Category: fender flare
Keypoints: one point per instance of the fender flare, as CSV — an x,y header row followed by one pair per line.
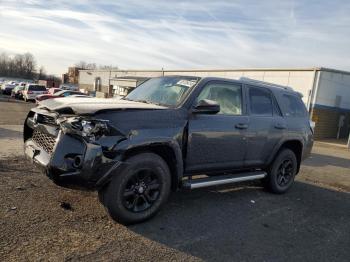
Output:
x,y
279,146
125,148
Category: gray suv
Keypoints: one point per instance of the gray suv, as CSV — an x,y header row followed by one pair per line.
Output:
x,y
169,133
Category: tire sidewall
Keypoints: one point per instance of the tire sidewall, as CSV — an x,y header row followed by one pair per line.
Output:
x,y
285,154
113,197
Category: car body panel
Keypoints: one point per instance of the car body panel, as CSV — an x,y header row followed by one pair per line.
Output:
x,y
93,105
199,143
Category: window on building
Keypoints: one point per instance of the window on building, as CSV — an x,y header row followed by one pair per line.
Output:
x,y
228,96
97,84
260,102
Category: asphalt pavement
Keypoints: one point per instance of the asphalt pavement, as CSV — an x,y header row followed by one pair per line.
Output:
x,y
228,223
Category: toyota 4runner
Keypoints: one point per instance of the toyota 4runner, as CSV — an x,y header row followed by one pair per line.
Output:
x,y
170,132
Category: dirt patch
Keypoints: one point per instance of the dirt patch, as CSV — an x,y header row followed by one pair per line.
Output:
x,y
37,225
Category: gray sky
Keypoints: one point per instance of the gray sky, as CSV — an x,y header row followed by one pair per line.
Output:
x,y
178,34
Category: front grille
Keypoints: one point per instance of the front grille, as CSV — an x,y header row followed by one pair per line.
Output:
x,y
45,141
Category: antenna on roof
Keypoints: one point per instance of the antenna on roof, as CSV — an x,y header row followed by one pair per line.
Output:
x,y
254,81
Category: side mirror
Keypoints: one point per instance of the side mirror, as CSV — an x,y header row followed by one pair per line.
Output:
x,y
206,106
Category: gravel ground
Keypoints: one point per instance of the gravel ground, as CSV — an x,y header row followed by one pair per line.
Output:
x,y
41,221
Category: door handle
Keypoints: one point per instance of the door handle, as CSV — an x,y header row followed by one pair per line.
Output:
x,y
280,126
241,126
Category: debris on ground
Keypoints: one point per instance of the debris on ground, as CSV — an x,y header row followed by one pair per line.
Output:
x,y
66,206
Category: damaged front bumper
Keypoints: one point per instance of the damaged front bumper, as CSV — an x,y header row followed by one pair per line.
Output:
x,y
70,161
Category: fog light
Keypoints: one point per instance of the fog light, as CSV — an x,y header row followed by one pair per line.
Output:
x,y
77,161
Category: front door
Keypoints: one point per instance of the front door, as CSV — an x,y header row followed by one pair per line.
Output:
x,y
217,142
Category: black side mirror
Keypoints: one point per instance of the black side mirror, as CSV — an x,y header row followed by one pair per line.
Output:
x,y
206,106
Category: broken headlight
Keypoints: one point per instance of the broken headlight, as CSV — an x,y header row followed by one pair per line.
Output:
x,y
91,129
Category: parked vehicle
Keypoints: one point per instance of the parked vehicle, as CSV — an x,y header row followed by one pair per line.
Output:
x,y
31,91
17,91
69,87
53,90
59,94
7,88
163,134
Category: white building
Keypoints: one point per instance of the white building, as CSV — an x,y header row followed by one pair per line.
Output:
x,y
326,92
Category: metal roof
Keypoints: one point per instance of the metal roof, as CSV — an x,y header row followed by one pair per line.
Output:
x,y
224,70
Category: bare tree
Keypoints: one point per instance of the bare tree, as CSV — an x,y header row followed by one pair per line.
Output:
x,y
92,66
19,65
85,65
29,64
42,73
108,67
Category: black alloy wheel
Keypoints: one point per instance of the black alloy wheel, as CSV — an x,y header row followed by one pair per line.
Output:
x,y
141,191
282,172
285,172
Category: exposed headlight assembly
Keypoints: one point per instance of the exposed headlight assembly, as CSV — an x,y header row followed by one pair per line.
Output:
x,y
91,129
94,128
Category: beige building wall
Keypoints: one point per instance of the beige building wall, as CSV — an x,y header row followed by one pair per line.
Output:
x,y
299,80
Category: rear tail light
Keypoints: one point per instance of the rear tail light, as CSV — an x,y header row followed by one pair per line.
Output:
x,y
312,125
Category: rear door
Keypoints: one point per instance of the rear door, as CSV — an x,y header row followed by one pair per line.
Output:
x,y
217,142
266,128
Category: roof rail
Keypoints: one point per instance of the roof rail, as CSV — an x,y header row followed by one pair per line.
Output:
x,y
254,81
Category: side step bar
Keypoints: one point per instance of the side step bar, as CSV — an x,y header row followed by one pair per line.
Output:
x,y
221,180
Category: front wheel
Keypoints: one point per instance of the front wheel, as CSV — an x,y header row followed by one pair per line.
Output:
x,y
282,172
138,191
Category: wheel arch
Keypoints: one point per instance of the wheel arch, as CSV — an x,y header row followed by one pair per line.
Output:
x,y
294,145
169,152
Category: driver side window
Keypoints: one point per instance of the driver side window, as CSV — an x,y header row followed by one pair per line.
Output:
x,y
228,96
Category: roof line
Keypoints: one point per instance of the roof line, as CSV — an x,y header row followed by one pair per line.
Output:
x,y
222,70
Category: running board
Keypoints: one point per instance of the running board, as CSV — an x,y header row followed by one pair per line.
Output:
x,y
222,180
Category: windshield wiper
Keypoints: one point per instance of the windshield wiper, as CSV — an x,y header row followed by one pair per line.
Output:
x,y
143,101
151,102
126,98
146,102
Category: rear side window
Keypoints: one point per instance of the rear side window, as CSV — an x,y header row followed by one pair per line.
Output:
x,y
294,106
37,88
260,102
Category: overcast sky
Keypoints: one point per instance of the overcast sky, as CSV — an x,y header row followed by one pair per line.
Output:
x,y
178,34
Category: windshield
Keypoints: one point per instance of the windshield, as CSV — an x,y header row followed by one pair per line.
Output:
x,y
167,91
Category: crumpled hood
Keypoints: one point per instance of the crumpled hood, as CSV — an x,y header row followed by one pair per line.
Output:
x,y
86,105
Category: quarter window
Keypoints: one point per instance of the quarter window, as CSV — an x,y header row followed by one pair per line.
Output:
x,y
294,106
260,102
228,96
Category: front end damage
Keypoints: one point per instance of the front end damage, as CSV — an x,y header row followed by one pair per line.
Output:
x,y
73,151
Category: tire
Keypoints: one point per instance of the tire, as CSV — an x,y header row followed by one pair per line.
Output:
x,y
282,172
138,192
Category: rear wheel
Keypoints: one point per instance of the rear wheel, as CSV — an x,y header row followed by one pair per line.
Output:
x,y
282,172
138,191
